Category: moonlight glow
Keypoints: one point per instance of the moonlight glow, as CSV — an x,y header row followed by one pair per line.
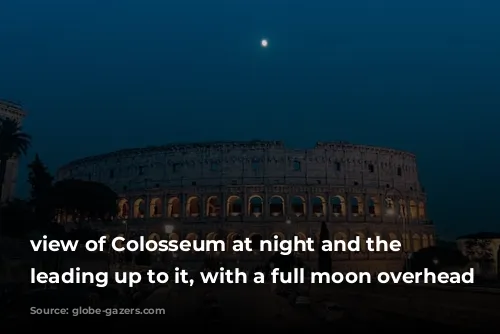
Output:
x,y
263,43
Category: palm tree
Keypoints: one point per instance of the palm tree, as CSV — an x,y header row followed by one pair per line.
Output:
x,y
13,143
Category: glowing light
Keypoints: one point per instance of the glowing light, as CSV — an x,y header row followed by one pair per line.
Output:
x,y
264,43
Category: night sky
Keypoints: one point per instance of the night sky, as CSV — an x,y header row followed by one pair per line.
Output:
x,y
423,76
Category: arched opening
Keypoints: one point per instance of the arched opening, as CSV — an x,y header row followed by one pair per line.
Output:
x,y
174,207
413,210
255,205
298,204
155,207
389,207
425,241
123,208
373,207
417,243
234,206
318,206
139,208
193,207
280,236
154,236
356,206
402,208
338,205
276,206
421,210
255,240
406,242
213,206
212,236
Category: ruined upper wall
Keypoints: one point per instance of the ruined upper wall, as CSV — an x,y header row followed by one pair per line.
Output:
x,y
254,162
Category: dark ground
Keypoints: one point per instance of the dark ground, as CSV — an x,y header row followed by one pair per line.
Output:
x,y
250,306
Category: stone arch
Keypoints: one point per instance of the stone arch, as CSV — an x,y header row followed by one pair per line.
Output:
x,y
425,241
255,205
213,206
255,239
155,207
421,210
298,204
413,209
212,236
276,206
406,242
319,206
231,237
123,208
139,208
301,235
234,206
416,242
338,205
280,235
356,206
373,207
154,236
193,206
402,208
389,206
431,240
174,207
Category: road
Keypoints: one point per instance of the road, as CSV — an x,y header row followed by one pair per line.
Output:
x,y
254,306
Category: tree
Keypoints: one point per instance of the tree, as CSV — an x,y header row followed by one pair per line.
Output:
x,y
84,200
41,187
480,251
324,258
17,217
13,143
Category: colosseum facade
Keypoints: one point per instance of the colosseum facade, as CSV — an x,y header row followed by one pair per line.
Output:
x,y
258,189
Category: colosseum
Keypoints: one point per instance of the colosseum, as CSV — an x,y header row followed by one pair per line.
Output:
x,y
258,189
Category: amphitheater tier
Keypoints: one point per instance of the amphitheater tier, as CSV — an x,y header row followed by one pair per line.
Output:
x,y
262,188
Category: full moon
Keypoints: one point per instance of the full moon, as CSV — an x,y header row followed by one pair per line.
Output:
x,y
264,43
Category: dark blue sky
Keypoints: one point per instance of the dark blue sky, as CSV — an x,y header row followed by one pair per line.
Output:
x,y
100,75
